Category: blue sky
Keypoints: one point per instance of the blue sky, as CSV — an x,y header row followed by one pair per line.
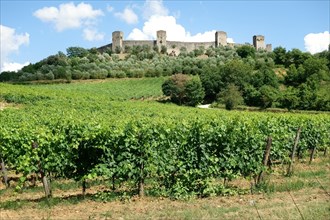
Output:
x,y
33,30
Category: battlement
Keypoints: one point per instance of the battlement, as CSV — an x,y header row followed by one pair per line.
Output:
x,y
118,43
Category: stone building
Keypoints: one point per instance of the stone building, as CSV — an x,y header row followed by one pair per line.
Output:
x,y
173,47
259,42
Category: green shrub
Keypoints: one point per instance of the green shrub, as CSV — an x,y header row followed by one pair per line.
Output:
x,y
184,90
231,97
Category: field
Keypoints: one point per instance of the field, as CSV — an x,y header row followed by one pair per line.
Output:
x,y
130,150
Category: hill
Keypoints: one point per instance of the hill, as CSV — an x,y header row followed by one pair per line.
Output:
x,y
281,79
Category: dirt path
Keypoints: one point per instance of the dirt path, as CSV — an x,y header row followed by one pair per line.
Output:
x,y
204,106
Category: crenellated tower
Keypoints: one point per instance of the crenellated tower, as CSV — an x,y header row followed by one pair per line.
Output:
x,y
259,42
220,38
161,39
117,41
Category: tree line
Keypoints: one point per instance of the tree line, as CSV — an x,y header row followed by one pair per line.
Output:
x,y
231,75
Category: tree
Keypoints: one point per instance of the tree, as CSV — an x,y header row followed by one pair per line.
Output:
x,y
236,72
251,95
212,83
127,49
174,87
268,96
76,52
316,66
265,76
279,55
231,97
246,51
184,90
307,93
118,49
292,76
210,52
289,98
163,49
194,92
296,57
325,55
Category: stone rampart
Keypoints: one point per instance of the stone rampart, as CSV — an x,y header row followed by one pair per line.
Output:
x,y
131,43
175,46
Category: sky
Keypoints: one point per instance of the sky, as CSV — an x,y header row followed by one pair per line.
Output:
x,y
33,30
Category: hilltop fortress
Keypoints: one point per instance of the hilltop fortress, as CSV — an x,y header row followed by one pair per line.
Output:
x,y
119,45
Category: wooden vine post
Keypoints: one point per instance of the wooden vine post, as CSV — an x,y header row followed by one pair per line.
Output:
x,y
141,176
141,180
84,186
266,158
296,140
312,155
45,181
4,173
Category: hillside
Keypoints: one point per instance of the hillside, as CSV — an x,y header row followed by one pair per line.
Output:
x,y
280,79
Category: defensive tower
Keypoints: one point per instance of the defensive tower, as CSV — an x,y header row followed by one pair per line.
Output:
x,y
117,41
259,42
220,38
269,47
161,39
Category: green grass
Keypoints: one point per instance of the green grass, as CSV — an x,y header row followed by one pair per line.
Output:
x,y
13,205
311,174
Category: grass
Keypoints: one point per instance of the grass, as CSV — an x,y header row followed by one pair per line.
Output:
x,y
13,205
311,174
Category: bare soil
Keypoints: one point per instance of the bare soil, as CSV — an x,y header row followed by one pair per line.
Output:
x,y
235,207
4,105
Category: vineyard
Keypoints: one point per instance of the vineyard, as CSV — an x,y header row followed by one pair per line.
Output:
x,y
116,131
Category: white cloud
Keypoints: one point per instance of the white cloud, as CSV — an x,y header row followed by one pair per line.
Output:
x,y
158,18
154,7
68,15
128,15
174,31
10,42
13,66
92,35
230,40
318,42
207,36
137,34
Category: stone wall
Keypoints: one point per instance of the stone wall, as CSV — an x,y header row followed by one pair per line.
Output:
x,y
173,47
190,46
131,43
